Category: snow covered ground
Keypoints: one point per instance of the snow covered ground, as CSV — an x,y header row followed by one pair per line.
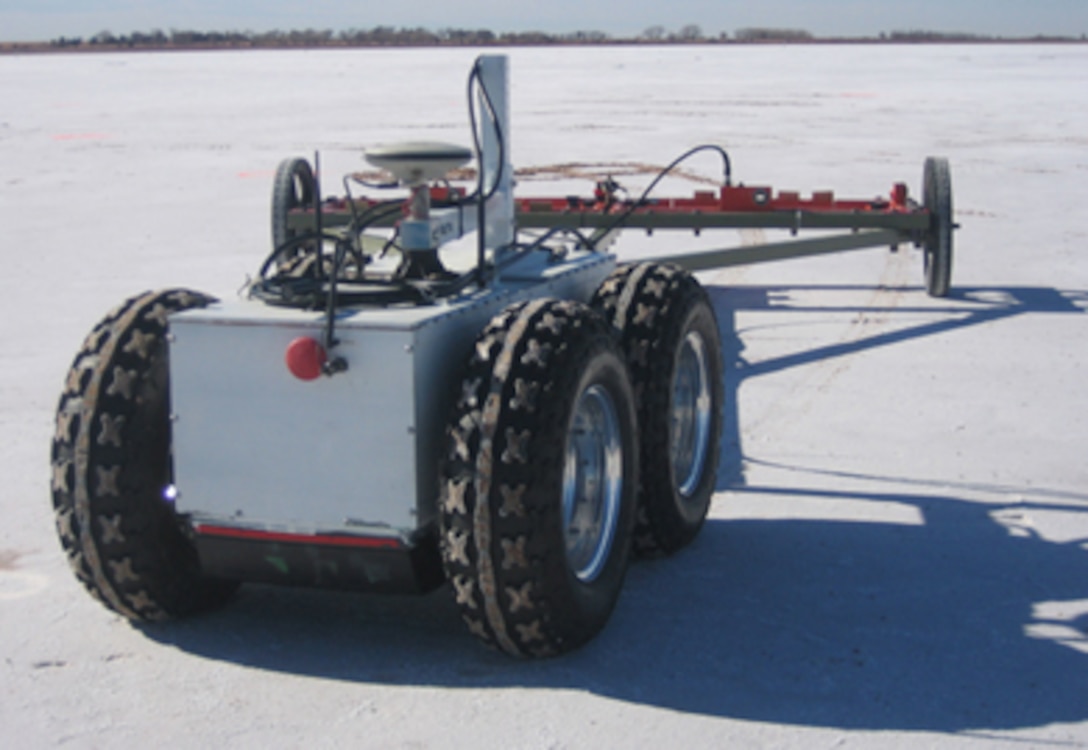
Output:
x,y
897,555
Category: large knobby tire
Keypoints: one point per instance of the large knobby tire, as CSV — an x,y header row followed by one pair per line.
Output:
x,y
538,494
937,191
292,187
670,339
111,462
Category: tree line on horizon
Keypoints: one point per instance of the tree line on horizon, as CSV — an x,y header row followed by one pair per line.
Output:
x,y
388,36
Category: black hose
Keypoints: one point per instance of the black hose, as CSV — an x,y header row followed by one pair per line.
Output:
x,y
641,200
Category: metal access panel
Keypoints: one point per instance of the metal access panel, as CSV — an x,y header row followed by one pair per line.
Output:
x,y
357,452
255,446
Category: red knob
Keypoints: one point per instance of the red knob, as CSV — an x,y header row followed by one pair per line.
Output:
x,y
305,358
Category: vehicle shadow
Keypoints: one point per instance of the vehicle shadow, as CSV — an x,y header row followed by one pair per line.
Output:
x,y
942,625
879,626
818,623
963,308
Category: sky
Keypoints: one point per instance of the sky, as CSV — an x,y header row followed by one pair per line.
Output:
x,y
39,20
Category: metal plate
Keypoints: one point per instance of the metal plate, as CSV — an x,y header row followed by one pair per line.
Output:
x,y
357,452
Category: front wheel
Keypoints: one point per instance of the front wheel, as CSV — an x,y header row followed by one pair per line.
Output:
x,y
538,493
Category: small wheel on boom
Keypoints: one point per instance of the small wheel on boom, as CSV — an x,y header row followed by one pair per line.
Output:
x,y
669,336
112,473
937,191
539,482
292,187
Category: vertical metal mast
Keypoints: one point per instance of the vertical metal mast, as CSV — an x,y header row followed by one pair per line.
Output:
x,y
499,231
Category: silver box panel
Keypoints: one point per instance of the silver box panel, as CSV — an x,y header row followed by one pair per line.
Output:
x,y
356,452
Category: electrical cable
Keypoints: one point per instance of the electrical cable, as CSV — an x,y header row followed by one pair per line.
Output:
x,y
475,77
330,308
309,292
641,200
372,185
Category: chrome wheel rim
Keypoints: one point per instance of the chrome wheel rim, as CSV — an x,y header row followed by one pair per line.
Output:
x,y
592,483
690,417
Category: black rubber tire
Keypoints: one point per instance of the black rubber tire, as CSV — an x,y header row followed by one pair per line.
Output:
x,y
111,461
504,542
292,187
655,308
937,191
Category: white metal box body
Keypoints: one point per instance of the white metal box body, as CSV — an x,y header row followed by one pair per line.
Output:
x,y
354,453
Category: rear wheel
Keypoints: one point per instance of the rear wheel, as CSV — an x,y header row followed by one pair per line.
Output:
x,y
937,189
670,339
112,474
538,493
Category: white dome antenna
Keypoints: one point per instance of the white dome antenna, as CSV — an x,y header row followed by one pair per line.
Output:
x,y
418,162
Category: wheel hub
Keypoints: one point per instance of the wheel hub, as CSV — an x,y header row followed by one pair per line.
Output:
x,y
592,483
690,420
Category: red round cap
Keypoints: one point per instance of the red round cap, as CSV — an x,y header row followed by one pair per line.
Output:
x,y
305,358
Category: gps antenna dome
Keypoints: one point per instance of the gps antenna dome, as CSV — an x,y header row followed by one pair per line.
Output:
x,y
417,162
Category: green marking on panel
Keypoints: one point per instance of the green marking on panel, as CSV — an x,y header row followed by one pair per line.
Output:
x,y
278,563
